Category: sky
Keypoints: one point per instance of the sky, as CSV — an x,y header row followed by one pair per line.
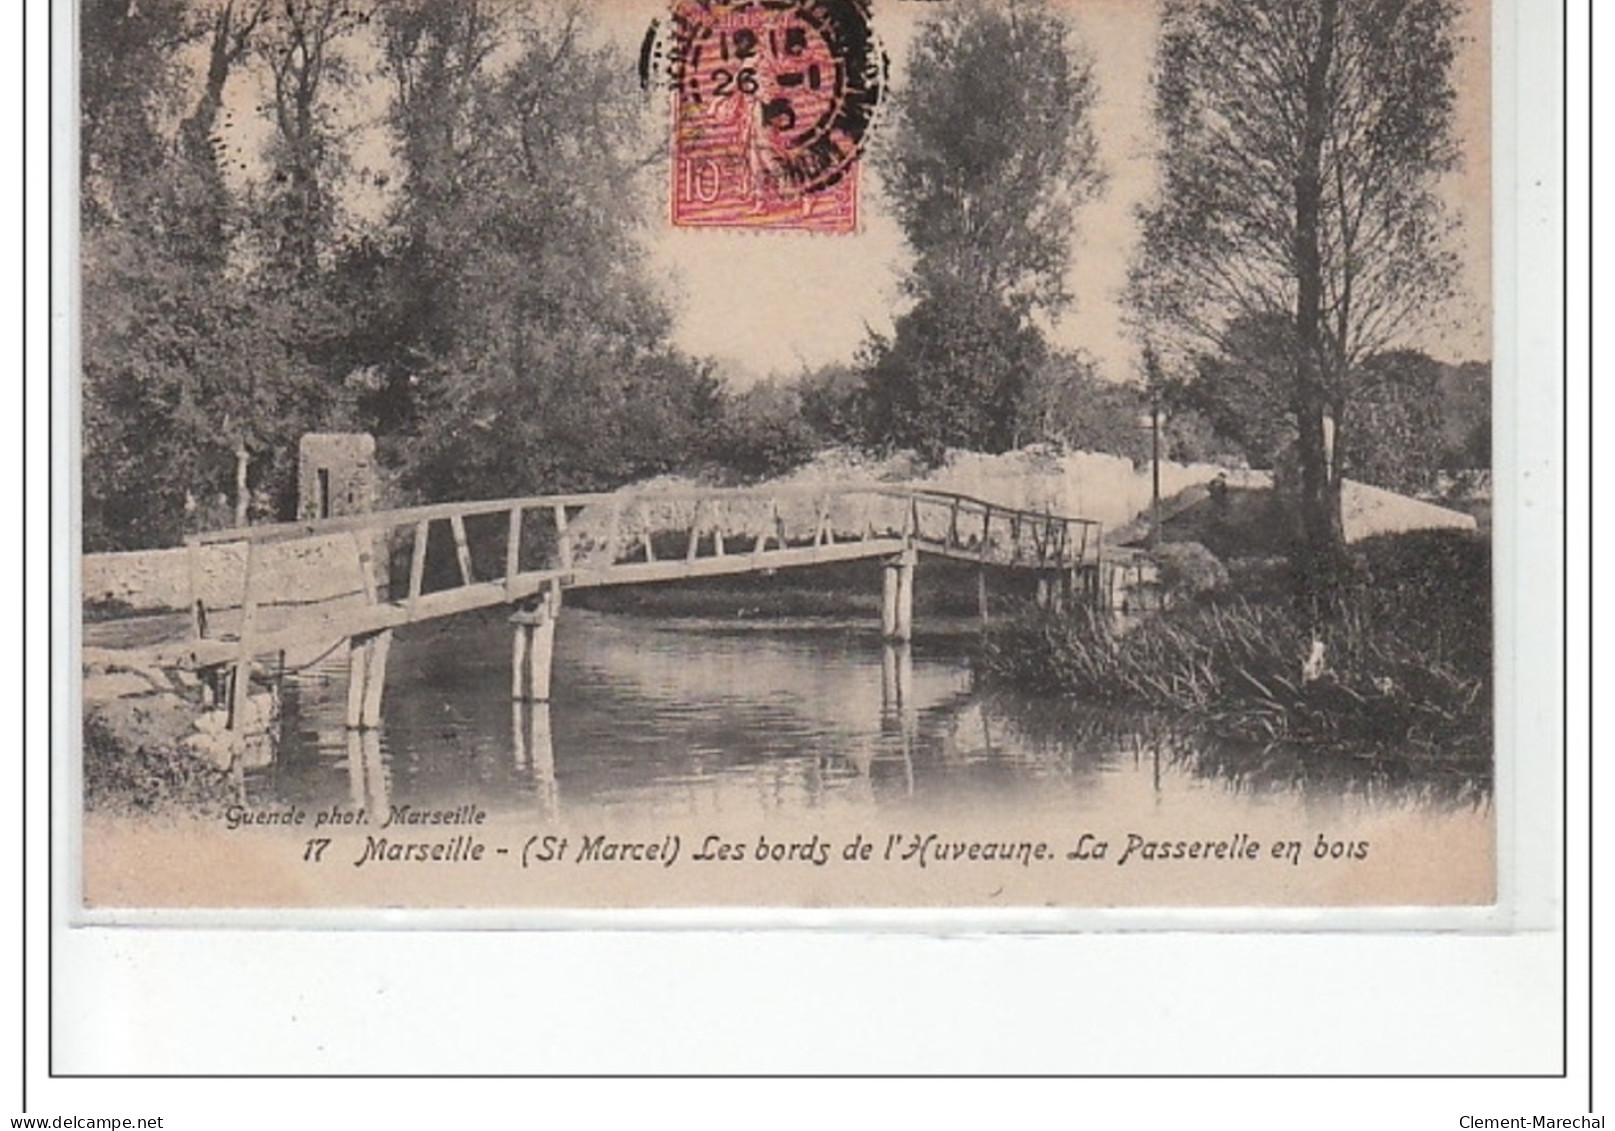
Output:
x,y
779,302
776,303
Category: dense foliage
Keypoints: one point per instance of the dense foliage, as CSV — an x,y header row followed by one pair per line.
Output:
x,y
1405,668
1405,417
461,273
989,154
1300,144
479,303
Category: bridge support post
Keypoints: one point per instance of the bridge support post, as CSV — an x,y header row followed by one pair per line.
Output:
x,y
532,652
375,678
1053,587
367,776
897,597
367,676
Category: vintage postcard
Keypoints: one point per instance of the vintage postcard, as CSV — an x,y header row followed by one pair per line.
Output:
x,y
784,454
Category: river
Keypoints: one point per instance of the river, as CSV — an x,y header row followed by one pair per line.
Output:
x,y
726,724
782,762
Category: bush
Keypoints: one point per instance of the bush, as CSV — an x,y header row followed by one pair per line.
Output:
x,y
762,433
133,763
1189,569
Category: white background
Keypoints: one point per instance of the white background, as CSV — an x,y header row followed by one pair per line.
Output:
x,y
175,1001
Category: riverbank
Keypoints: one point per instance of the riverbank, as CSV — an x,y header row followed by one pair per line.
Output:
x,y
140,757
1404,670
945,593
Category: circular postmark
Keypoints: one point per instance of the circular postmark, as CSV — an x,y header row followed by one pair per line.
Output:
x,y
772,102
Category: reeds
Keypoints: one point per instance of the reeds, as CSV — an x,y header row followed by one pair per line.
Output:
x,y
1403,667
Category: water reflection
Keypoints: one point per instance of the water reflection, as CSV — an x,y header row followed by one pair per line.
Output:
x,y
533,746
899,714
677,718
367,772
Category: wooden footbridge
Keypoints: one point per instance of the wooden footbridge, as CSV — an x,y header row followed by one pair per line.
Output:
x,y
421,563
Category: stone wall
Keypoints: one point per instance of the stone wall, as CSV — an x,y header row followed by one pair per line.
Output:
x,y
336,474
310,569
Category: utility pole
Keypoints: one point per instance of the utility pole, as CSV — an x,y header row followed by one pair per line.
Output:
x,y
1152,379
1155,467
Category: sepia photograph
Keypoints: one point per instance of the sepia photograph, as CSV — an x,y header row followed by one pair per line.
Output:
x,y
784,454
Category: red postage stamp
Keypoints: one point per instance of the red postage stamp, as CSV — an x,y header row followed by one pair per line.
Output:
x,y
772,101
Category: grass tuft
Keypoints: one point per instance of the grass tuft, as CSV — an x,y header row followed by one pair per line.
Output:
x,y
1406,660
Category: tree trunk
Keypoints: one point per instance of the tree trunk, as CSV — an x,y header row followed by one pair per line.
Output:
x,y
225,48
1322,540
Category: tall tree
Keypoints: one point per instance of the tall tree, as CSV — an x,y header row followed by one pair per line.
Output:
x,y
530,347
989,153
302,50
199,197
1301,144
991,150
189,375
955,373
126,84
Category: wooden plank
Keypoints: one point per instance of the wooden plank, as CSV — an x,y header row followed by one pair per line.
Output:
x,y
417,562
1050,536
635,573
513,546
888,599
761,545
358,674
907,560
462,549
361,620
613,530
367,573
434,512
541,650
521,642
245,646
385,521
193,585
563,539
375,677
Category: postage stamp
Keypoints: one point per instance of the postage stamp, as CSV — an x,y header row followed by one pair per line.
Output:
x,y
1103,519
772,105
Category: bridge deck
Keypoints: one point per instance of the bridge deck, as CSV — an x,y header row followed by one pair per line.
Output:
x,y
286,575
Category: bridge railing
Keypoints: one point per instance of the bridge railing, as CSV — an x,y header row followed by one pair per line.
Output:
x,y
507,549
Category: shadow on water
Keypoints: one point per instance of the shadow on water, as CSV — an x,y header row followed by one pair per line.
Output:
x,y
682,717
